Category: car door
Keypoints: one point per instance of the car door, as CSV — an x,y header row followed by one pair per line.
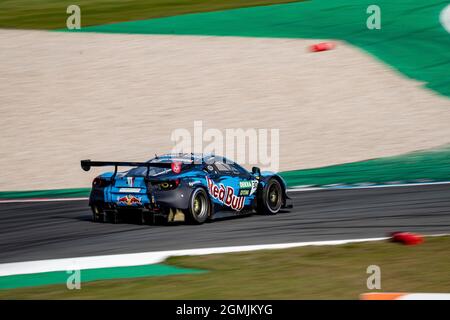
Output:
x,y
223,186
248,184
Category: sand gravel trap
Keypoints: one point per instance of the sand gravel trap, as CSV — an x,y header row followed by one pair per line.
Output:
x,y
66,97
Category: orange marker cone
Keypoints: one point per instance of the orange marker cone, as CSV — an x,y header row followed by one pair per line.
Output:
x,y
407,238
323,46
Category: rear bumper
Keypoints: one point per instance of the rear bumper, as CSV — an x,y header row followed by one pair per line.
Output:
x,y
153,201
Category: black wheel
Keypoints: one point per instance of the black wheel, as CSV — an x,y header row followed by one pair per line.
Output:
x,y
199,207
112,217
97,214
271,198
142,218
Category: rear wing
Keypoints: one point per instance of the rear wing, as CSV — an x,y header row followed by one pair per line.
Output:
x,y
87,164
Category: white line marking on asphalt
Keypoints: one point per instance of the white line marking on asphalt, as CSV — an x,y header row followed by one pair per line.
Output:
x,y
42,200
293,189
144,258
404,296
425,296
379,186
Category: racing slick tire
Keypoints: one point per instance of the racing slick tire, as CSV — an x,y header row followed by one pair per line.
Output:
x,y
199,208
98,215
270,198
113,217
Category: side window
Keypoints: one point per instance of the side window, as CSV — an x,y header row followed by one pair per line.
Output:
x,y
237,169
230,168
222,167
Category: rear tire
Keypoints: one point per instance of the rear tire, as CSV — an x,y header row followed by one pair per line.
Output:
x,y
98,215
112,217
142,218
271,198
199,207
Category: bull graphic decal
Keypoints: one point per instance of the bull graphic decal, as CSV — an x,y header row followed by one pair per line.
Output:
x,y
129,200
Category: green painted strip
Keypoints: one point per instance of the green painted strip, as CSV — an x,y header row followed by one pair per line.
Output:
x,y
430,165
51,14
411,38
55,193
60,277
420,166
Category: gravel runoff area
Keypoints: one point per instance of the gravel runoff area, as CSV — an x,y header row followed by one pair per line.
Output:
x,y
67,96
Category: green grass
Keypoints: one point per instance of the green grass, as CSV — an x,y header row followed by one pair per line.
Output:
x,y
428,165
330,272
51,14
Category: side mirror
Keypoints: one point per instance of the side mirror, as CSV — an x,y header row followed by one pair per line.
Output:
x,y
256,171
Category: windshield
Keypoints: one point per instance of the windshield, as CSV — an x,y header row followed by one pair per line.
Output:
x,y
154,171
142,171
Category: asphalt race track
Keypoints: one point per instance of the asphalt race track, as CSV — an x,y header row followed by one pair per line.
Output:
x,y
45,230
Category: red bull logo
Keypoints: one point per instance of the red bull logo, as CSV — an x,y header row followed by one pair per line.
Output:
x,y
129,200
226,195
176,167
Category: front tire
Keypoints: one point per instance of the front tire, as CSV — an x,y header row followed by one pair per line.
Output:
x,y
271,198
199,207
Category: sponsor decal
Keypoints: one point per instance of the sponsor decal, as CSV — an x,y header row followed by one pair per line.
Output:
x,y
130,181
248,184
254,186
130,190
193,183
176,167
244,192
226,195
245,184
129,200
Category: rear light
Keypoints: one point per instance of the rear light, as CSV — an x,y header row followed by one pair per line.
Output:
x,y
167,185
100,183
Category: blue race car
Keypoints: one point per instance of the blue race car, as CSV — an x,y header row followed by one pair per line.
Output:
x,y
183,187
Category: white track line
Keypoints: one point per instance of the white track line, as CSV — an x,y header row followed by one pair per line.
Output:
x,y
144,258
43,200
293,189
348,187
404,296
425,296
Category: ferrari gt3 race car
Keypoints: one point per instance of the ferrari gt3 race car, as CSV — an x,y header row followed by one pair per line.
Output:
x,y
186,187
